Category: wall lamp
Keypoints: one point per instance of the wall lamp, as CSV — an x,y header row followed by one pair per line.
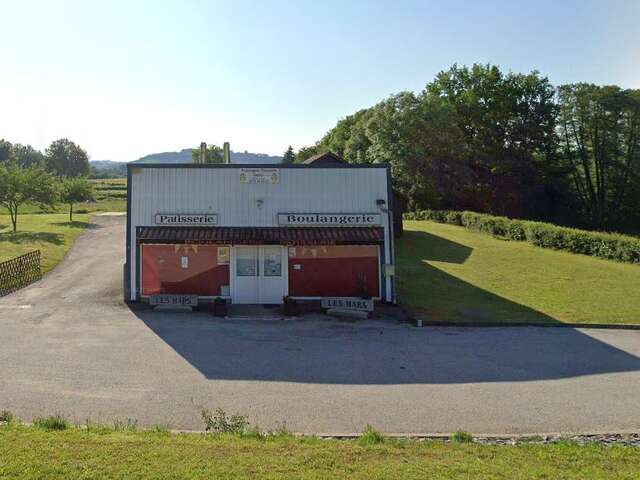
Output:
x,y
382,204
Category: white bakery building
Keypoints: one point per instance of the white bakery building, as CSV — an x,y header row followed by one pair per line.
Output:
x,y
255,234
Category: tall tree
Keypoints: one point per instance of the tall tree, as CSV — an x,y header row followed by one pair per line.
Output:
x,y
25,185
213,154
419,138
65,158
600,138
511,144
6,151
508,123
338,138
74,190
27,156
306,152
289,155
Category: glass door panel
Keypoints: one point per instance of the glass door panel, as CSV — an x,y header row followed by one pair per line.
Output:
x,y
246,261
272,263
245,282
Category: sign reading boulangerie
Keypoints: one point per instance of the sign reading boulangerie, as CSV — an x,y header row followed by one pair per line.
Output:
x,y
330,219
202,219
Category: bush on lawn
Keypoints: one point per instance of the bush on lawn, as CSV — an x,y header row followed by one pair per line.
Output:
x,y
370,436
54,422
621,248
219,422
6,417
461,437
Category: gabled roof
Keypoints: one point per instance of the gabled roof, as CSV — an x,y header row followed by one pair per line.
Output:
x,y
326,158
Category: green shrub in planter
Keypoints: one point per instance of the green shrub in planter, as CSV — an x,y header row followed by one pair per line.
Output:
x,y
290,306
220,307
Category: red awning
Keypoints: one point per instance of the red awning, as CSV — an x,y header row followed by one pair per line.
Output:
x,y
262,235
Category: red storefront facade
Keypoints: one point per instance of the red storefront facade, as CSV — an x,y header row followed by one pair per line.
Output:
x,y
313,271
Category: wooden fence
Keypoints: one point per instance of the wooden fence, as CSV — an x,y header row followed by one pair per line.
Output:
x,y
19,272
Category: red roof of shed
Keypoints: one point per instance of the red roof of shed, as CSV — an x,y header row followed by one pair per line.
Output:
x,y
263,235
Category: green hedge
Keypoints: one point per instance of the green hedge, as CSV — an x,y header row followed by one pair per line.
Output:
x,y
598,244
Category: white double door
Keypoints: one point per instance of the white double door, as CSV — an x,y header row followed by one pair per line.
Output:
x,y
258,274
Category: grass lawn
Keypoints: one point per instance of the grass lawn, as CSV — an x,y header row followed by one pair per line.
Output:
x,y
448,273
30,453
53,234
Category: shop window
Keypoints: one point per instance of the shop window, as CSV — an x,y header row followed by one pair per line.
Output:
x,y
185,269
334,271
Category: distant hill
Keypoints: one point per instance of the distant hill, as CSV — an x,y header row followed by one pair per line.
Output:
x,y
110,169
184,156
107,165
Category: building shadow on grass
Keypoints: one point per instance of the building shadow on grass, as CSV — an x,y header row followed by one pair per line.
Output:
x,y
437,296
422,246
29,237
327,351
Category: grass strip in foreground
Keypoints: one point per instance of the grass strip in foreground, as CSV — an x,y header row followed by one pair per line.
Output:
x,y
74,453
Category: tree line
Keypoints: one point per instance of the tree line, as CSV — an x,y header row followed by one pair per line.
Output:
x,y
508,144
29,176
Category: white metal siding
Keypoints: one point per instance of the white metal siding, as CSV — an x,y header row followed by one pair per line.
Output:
x,y
219,191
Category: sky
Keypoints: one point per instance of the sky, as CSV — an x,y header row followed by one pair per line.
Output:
x,y
128,78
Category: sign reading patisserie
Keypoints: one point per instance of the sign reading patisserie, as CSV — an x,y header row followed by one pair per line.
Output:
x,y
193,219
329,219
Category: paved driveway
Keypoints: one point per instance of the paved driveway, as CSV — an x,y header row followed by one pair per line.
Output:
x,y
69,345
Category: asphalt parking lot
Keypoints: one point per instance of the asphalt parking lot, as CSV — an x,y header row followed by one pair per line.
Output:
x,y
69,345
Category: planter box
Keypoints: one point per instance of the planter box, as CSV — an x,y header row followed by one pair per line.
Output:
x,y
290,309
219,309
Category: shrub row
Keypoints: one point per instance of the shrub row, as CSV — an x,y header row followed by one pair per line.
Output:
x,y
109,186
101,195
598,244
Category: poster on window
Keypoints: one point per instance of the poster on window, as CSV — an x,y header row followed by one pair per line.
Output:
x,y
223,255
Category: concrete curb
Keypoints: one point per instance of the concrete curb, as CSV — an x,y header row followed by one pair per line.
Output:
x,y
435,323
606,326
249,319
418,435
447,436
